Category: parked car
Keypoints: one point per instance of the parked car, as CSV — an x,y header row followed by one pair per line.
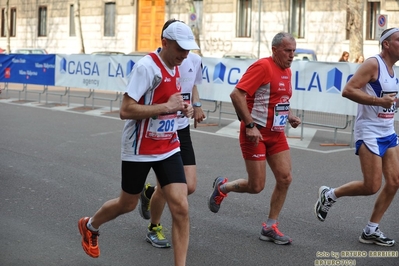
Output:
x,y
305,54
239,55
108,53
143,53
28,51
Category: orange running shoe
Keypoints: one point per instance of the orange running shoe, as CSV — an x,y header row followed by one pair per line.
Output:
x,y
89,238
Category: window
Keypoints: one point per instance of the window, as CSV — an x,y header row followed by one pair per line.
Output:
x,y
72,21
109,19
244,18
13,22
42,30
3,23
373,9
297,25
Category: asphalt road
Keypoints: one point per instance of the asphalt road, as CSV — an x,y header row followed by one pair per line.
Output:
x,y
58,166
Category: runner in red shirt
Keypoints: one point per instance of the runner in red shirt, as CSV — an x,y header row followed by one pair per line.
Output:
x,y
261,100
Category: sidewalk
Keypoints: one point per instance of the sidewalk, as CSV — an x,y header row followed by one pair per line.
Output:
x,y
318,140
226,124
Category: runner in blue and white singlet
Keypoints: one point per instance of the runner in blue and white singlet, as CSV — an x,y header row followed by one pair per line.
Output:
x,y
374,87
376,123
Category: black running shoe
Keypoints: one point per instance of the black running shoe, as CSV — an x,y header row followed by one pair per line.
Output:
x,y
377,238
323,204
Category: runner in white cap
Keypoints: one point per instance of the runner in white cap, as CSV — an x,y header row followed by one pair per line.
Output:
x,y
151,106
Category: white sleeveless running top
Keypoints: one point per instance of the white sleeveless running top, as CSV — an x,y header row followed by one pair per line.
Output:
x,y
376,121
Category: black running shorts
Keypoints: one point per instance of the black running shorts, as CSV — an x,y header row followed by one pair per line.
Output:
x,y
168,171
186,146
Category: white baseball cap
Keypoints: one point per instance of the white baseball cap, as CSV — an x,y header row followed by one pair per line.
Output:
x,y
182,34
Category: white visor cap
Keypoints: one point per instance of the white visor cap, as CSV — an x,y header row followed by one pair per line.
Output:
x,y
182,34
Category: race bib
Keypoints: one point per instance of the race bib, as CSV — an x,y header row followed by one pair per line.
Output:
x,y
187,100
281,111
162,127
387,113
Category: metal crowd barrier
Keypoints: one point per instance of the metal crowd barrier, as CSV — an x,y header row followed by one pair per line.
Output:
x,y
339,123
344,123
63,92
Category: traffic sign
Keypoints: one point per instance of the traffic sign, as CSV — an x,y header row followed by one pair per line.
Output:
x,y
381,25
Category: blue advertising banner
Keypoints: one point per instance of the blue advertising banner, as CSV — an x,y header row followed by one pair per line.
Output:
x,y
27,69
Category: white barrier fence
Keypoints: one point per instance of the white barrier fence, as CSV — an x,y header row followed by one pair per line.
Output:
x,y
316,86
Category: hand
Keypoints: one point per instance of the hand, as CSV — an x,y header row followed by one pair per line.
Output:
x,y
294,121
188,110
199,116
388,100
175,103
254,135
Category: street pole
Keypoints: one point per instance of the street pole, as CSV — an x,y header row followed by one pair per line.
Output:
x,y
259,24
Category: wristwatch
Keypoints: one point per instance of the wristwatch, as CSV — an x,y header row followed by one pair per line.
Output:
x,y
250,125
197,104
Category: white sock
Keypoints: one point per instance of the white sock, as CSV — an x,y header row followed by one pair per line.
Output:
x,y
330,194
223,189
370,228
90,226
270,222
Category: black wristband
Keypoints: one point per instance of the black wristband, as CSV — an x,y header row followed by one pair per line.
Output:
x,y
250,125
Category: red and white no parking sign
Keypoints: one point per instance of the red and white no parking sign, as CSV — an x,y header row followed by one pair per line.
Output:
x,y
381,25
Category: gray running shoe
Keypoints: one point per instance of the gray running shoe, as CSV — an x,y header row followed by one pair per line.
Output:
x,y
272,234
217,196
144,204
377,238
323,204
157,238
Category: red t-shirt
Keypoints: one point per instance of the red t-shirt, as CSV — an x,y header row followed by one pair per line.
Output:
x,y
269,90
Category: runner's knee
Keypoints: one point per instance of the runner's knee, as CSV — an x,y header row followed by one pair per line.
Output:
x,y
127,206
190,189
284,180
179,208
255,187
191,186
392,184
371,189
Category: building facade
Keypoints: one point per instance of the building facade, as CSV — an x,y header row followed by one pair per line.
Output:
x,y
222,26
